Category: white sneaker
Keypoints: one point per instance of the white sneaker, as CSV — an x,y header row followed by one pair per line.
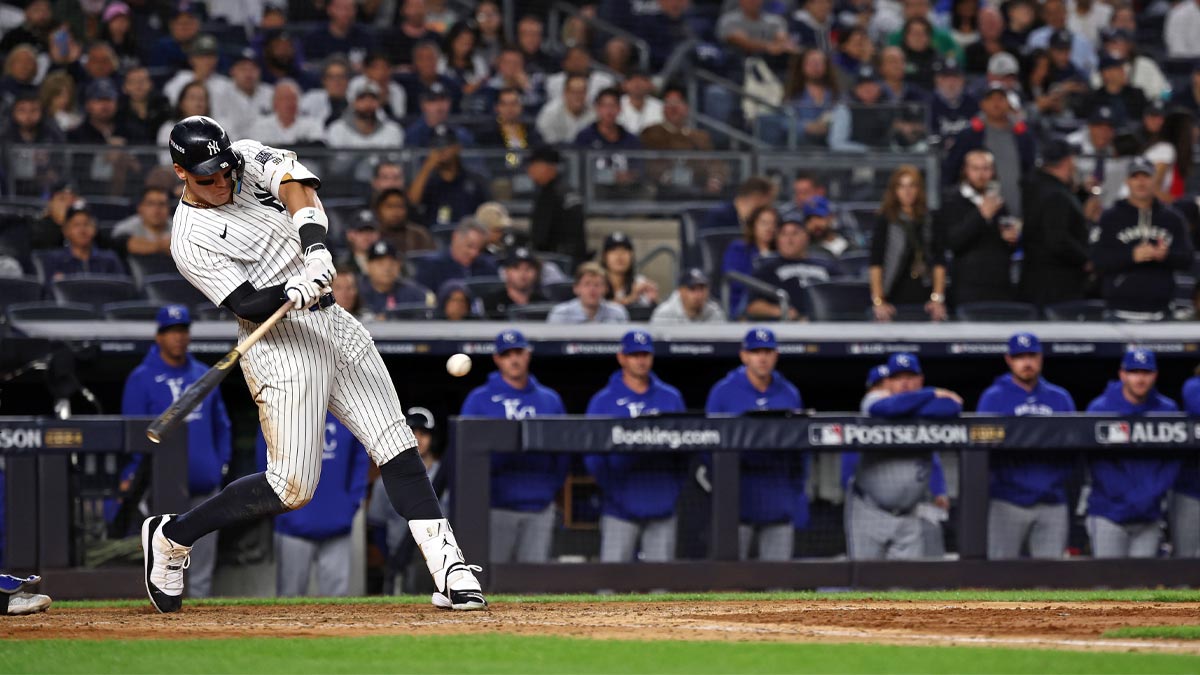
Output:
x,y
165,563
452,576
27,603
461,590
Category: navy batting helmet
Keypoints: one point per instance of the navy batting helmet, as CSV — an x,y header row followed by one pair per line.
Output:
x,y
202,147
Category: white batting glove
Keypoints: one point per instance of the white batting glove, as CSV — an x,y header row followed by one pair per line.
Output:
x,y
302,292
318,265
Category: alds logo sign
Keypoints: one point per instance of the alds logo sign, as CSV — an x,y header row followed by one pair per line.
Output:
x,y
1121,433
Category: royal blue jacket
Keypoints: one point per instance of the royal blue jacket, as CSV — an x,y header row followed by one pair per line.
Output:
x,y
1128,489
637,485
520,481
1189,473
340,491
772,483
1025,479
920,403
152,387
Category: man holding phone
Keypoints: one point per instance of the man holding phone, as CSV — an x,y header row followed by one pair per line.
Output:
x,y
980,232
1142,244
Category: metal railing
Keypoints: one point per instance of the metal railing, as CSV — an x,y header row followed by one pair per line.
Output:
x,y
561,9
753,284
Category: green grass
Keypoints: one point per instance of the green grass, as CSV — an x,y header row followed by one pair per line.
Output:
x,y
1156,632
1146,595
507,654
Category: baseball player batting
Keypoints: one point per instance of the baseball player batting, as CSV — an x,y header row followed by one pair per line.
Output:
x,y
249,233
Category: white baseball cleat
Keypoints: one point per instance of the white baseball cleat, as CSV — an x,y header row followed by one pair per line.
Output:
x,y
462,590
452,576
165,563
27,603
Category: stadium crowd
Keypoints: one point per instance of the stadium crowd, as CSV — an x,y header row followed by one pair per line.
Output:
x,y
1065,133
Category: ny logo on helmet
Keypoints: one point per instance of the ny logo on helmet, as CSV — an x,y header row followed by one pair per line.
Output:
x,y
213,147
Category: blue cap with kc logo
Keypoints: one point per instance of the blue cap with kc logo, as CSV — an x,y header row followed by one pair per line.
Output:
x,y
510,339
903,362
1024,343
637,342
760,338
173,315
1139,359
879,372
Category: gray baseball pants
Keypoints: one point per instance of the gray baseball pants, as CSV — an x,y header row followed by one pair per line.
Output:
x,y
620,539
294,558
519,536
1131,540
1043,527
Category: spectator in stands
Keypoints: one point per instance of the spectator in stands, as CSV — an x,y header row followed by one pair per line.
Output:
x,y
1009,141
435,115
812,26
557,223
893,68
772,483
1125,101
857,123
690,303
1055,237
248,98
855,52
461,60
170,52
147,232
626,286
109,169
141,110
1098,168
665,30
1054,24
327,103
908,260
284,127
99,62
1181,30
511,74
31,169
978,54
1088,18
491,30
455,302
805,186
1005,70
792,270
979,232
361,235
743,255
394,95
638,491
510,130
439,16
639,110
676,133
46,232
20,74
393,215
362,126
964,22
345,289
34,30
444,189
1127,492
919,54
412,30
193,100
387,174
589,305
463,259
1142,243
824,240
153,387
576,62
521,284
752,32
425,78
341,36
383,289
281,60
951,108
80,255
1185,500
1170,150
895,27
606,134
754,192
503,237
811,93
1028,492
560,121
319,533
531,40
1189,99
909,133
1141,71
202,62
523,485
117,30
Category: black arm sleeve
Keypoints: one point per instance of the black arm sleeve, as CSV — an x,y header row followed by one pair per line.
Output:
x,y
255,305
311,234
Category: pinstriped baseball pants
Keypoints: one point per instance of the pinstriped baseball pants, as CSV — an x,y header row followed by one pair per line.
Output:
x,y
306,364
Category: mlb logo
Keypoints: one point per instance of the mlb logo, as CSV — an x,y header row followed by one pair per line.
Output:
x,y
826,434
1112,433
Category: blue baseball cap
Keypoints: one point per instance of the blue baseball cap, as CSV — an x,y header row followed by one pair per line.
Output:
x,y
816,207
173,315
1024,343
1139,359
637,342
879,372
760,338
903,362
510,339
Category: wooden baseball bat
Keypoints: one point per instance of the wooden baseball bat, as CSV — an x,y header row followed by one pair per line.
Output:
x,y
201,388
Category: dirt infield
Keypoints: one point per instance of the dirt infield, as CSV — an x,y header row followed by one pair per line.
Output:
x,y
997,624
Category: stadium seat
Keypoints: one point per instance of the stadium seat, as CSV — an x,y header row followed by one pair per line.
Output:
x,y
93,289
441,234
38,258
712,251
132,310
1076,310
559,291
143,266
482,287
537,311
417,261
413,311
49,311
838,300
996,311
854,264
565,262
173,289
640,314
20,289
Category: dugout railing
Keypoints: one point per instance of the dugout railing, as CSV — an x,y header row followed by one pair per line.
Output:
x,y
973,437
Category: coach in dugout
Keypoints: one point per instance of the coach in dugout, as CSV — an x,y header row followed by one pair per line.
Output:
x,y
1142,243
523,484
1028,492
638,490
772,483
1125,503
882,520
1185,503
150,389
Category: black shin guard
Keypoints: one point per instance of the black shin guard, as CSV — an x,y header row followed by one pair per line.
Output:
x,y
408,487
245,499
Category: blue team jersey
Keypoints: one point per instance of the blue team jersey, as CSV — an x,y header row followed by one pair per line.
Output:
x,y
1189,473
1025,479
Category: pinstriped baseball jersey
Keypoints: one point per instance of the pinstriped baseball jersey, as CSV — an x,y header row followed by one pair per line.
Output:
x,y
250,239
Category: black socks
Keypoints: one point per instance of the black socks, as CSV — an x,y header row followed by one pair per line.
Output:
x,y
247,498
408,487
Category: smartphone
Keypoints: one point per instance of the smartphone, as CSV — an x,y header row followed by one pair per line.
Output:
x,y
62,40
993,188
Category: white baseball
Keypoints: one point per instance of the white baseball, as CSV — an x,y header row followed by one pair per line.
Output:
x,y
458,365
